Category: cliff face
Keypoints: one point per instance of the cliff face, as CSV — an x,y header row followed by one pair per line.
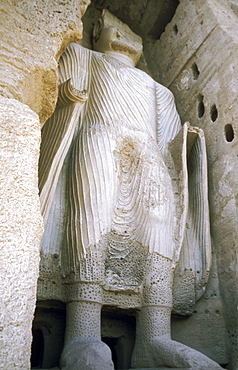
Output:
x,y
190,47
196,58
33,35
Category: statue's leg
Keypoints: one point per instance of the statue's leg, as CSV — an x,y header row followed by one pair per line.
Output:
x,y
154,316
82,316
154,346
83,348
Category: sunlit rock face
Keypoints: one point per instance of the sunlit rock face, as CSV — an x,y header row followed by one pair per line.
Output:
x,y
189,47
109,155
33,35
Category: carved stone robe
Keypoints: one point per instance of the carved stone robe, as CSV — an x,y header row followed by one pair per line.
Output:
x,y
116,142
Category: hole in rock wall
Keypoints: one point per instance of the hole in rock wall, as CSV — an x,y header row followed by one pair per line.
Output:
x,y
118,332
229,133
113,345
175,29
37,349
195,71
48,334
213,113
201,107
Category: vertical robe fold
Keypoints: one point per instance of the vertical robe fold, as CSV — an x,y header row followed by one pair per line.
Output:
x,y
118,180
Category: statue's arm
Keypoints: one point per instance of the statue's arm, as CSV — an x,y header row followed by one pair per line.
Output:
x,y
74,67
168,122
68,94
58,131
194,248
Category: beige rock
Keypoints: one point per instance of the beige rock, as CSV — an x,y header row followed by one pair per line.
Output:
x,y
174,354
119,198
34,37
21,230
196,58
204,51
86,354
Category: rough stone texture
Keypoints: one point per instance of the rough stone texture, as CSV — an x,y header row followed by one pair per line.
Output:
x,y
174,354
50,322
118,329
207,322
124,139
86,354
144,17
196,58
21,230
33,35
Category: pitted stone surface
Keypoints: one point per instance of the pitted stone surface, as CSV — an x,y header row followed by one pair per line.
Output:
x,y
35,33
21,230
158,281
125,225
86,354
203,63
83,320
29,61
202,75
90,292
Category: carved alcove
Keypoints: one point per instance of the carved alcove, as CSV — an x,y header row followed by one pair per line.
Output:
x,y
149,20
118,327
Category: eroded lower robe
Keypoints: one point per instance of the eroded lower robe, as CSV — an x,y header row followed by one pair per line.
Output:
x,y
118,182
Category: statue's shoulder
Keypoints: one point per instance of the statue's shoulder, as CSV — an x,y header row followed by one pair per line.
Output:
x,y
77,48
162,90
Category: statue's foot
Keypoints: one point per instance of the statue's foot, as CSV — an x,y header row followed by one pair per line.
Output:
x,y
165,352
86,354
174,354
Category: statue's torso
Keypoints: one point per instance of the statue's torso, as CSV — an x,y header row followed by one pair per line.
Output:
x,y
121,99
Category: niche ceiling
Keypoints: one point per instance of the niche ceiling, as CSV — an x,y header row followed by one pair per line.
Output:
x,y
148,18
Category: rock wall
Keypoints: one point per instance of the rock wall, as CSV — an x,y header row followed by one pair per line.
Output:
x,y
21,230
196,57
33,35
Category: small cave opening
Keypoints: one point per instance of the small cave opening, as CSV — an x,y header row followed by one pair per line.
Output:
x,y
175,29
229,133
195,71
118,332
214,113
48,330
37,349
201,107
112,344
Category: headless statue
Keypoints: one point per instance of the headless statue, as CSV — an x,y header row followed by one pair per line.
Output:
x,y
112,136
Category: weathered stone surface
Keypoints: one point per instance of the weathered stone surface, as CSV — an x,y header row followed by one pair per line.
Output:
x,y
21,230
33,35
86,354
119,196
205,329
174,354
196,57
144,17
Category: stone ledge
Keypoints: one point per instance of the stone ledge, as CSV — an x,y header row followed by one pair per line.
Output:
x,y
141,368
161,368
